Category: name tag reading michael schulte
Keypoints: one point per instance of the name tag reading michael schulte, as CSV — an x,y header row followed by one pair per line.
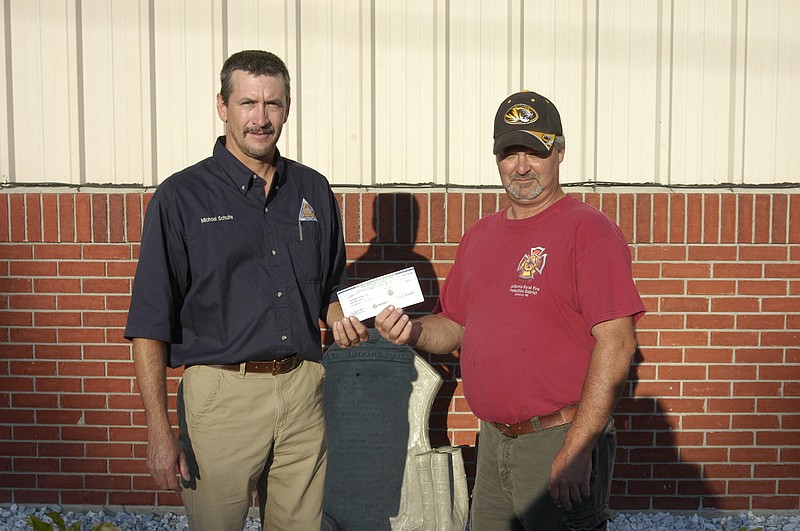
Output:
x,y
369,298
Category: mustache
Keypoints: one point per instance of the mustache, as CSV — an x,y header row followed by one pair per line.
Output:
x,y
260,130
530,175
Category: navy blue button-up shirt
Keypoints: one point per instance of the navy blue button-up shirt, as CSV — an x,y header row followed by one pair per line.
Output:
x,y
226,274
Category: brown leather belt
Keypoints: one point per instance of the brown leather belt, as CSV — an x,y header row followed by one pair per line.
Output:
x,y
281,366
559,418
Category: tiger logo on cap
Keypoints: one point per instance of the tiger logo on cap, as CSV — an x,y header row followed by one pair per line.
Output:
x,y
521,114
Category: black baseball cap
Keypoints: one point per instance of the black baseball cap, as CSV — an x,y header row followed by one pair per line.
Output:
x,y
526,119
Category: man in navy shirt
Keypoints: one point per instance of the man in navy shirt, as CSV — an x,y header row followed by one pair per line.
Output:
x,y
241,255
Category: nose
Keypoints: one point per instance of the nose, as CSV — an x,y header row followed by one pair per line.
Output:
x,y
260,116
522,164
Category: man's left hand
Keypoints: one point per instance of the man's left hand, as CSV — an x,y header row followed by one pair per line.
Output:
x,y
350,332
569,478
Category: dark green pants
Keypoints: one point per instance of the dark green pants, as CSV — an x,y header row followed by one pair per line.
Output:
x,y
513,476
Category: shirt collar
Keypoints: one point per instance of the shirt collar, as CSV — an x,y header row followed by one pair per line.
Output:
x,y
240,174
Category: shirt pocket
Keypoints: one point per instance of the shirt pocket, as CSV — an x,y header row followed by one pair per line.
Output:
x,y
306,252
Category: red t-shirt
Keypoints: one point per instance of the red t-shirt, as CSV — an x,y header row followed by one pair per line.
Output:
x,y
528,293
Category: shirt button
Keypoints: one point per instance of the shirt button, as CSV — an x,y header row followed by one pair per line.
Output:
x,y
274,252
243,187
280,294
255,176
266,209
284,338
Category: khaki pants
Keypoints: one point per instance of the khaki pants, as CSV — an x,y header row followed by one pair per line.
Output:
x,y
513,475
241,429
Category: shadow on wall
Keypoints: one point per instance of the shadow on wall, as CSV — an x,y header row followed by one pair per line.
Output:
x,y
396,245
649,463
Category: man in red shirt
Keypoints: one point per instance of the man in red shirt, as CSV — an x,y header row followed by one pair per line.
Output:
x,y
542,304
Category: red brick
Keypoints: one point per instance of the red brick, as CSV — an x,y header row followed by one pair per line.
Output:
x,y
99,217
50,217
686,270
644,212
60,449
81,302
731,405
732,372
660,322
107,385
776,502
779,217
777,438
786,304
710,321
684,304
52,319
677,218
32,268
730,438
752,487
710,287
710,218
745,218
33,335
728,219
81,335
660,218
66,220
713,253
774,339
133,217
107,285
777,405
83,218
84,497
756,421
59,481
760,322
735,304
735,339
116,218
59,285
81,368
754,455
56,417
115,450
32,368
58,384
763,253
726,471
121,269
454,228
81,269
16,217
33,222
33,464
58,251
738,270
681,372
685,338
82,401
661,287
763,219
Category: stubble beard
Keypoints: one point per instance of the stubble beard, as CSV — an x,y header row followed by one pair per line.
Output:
x,y
527,194
253,151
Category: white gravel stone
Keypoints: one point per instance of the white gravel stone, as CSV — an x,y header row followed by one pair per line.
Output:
x,y
12,518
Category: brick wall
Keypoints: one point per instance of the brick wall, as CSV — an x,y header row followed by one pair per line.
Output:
x,y
709,418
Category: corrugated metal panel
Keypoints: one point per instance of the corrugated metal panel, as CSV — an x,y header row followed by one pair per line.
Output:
x,y
670,92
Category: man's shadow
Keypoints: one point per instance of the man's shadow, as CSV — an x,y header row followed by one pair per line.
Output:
x,y
651,462
395,244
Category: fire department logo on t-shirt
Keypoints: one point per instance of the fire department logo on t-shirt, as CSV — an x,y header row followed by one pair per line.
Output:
x,y
532,263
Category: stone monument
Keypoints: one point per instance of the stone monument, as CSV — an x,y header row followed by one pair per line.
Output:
x,y
382,472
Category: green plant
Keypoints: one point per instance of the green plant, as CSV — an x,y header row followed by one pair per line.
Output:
x,y
59,524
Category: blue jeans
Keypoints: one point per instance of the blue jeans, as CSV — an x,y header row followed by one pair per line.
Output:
x,y
513,476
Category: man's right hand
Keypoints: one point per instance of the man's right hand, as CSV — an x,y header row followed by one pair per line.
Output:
x,y
394,325
164,458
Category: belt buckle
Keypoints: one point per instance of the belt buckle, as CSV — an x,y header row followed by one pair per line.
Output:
x,y
507,427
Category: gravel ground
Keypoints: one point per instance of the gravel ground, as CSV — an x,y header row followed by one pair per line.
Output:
x,y
13,518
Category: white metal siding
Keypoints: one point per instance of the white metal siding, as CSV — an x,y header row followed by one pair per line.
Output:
x,y
670,92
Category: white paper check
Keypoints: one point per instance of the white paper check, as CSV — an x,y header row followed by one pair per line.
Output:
x,y
369,298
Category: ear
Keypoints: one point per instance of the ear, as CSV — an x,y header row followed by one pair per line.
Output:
x,y
222,109
561,154
286,113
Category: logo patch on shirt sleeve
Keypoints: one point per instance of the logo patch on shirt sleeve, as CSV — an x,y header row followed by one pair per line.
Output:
x,y
306,212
